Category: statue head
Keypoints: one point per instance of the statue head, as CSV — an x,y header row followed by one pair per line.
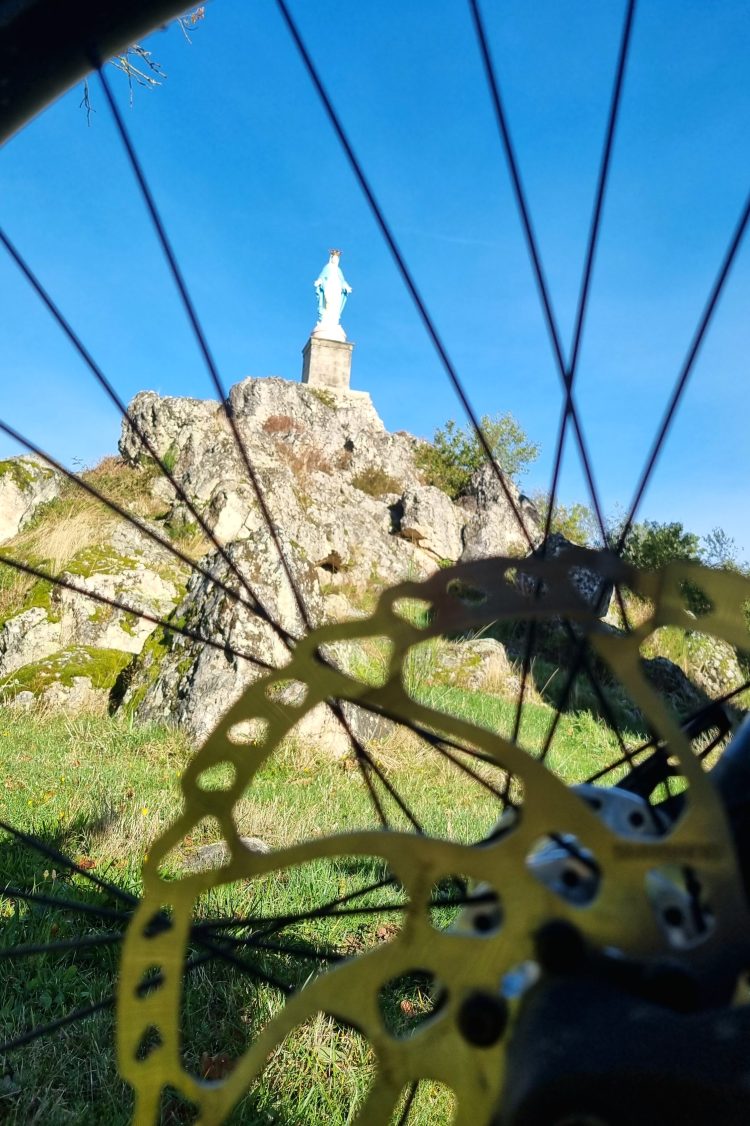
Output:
x,y
334,253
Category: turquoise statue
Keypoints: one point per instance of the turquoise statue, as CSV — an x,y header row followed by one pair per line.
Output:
x,y
332,289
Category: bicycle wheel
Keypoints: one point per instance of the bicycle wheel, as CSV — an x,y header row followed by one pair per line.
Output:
x,y
479,922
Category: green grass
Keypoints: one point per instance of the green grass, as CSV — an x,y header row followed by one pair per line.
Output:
x,y
101,789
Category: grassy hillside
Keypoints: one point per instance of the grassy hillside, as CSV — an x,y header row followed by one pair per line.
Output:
x,y
99,790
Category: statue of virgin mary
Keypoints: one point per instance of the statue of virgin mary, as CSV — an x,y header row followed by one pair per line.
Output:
x,y
332,289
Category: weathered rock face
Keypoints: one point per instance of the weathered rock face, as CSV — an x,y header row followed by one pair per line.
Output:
x,y
343,489
182,681
480,664
26,638
126,568
353,514
671,682
713,664
431,521
491,526
25,484
280,423
171,425
345,496
342,531
78,678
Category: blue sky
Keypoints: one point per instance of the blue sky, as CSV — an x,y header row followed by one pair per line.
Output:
x,y
254,189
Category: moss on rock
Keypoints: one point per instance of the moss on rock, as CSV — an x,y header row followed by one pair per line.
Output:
x,y
101,666
41,594
100,561
20,472
38,595
710,663
136,680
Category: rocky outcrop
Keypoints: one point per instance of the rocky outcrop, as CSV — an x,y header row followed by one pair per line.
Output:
x,y
491,524
25,484
28,637
340,530
353,514
185,682
670,682
346,492
125,568
344,495
432,522
480,664
280,424
75,679
712,664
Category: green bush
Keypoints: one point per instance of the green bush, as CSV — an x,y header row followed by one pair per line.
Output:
x,y
718,549
456,452
575,521
651,545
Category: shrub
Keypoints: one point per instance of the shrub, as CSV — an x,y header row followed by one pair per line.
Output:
x,y
652,545
456,452
575,521
376,482
324,397
169,460
718,549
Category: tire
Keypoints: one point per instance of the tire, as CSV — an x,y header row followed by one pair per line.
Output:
x,y
47,46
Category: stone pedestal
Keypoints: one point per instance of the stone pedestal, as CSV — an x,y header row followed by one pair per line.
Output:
x,y
327,363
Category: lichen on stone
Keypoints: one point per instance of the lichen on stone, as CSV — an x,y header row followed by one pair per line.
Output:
x,y
100,666
19,472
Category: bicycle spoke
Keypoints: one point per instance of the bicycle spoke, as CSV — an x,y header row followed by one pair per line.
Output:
x,y
114,397
82,1012
313,954
530,638
530,237
687,368
594,228
64,861
280,922
84,942
219,951
75,1015
199,334
399,260
391,789
442,749
117,604
567,371
80,483
692,725
11,892
412,1090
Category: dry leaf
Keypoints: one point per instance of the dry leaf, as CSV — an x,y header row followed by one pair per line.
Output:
x,y
216,1067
